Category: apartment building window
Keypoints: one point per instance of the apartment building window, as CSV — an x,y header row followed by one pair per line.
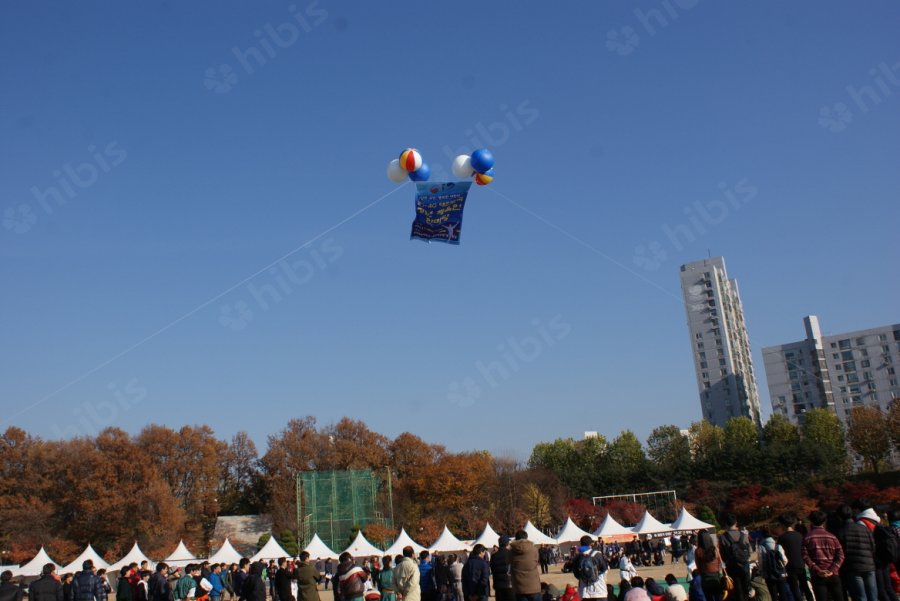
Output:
x,y
704,375
835,356
863,352
840,378
703,364
721,361
867,375
843,389
865,363
834,345
698,335
871,386
702,354
860,341
699,345
706,384
723,372
852,378
891,371
850,366
893,381
887,358
844,344
882,337
847,355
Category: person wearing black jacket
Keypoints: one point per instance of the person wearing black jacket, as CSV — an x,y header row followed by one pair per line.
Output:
x,y
124,590
858,570
158,588
8,590
47,587
283,579
792,543
476,576
87,586
254,589
500,571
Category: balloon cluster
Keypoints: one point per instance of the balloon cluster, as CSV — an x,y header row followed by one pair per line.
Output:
x,y
480,165
409,165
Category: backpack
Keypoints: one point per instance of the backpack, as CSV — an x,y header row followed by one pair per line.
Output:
x,y
887,545
774,564
587,568
738,551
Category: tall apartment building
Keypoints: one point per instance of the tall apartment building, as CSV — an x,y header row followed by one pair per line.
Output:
x,y
719,342
835,372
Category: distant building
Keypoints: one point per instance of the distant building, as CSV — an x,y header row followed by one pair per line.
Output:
x,y
836,372
591,434
719,342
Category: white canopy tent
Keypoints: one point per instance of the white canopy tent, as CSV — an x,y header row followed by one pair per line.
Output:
x,y
180,557
360,547
88,553
133,556
318,549
570,533
270,550
688,523
610,527
447,543
650,525
36,565
226,554
536,536
488,537
404,540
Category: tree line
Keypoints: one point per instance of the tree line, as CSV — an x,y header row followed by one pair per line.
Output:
x,y
162,484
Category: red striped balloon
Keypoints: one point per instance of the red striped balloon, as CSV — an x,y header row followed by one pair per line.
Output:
x,y
410,159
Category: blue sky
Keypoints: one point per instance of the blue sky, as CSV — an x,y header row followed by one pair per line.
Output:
x,y
156,156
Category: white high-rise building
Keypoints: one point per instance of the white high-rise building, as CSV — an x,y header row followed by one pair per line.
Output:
x,y
835,372
719,342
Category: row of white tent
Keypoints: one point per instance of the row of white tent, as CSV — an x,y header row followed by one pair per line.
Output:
x,y
447,542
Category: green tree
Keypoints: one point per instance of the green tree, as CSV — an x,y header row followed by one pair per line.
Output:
x,y
740,445
869,435
626,463
670,452
288,542
707,443
823,444
782,460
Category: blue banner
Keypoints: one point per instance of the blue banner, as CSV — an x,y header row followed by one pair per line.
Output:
x,y
439,211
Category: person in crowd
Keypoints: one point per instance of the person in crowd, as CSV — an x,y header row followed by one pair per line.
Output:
x,y
104,581
792,542
351,579
215,579
524,568
241,577
734,550
454,577
476,576
772,566
442,576
544,559
47,587
675,591
329,572
143,586
308,578
762,591
8,590
570,594
158,586
254,587
709,564
637,592
589,567
270,574
406,576
282,581
654,590
627,571
185,585
859,557
823,555
67,587
500,571
385,580
884,559
124,588
695,589
427,582
86,586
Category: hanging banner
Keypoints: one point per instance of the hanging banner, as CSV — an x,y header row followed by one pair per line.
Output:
x,y
439,211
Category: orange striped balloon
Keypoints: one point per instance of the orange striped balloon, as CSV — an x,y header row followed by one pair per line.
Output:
x,y
410,159
483,179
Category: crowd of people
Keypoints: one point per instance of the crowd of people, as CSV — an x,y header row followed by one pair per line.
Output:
x,y
850,554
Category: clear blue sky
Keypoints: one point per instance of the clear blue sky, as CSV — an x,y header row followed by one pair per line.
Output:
x,y
191,152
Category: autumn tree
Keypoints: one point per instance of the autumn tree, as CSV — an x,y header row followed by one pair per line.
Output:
x,y
869,435
536,505
240,483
